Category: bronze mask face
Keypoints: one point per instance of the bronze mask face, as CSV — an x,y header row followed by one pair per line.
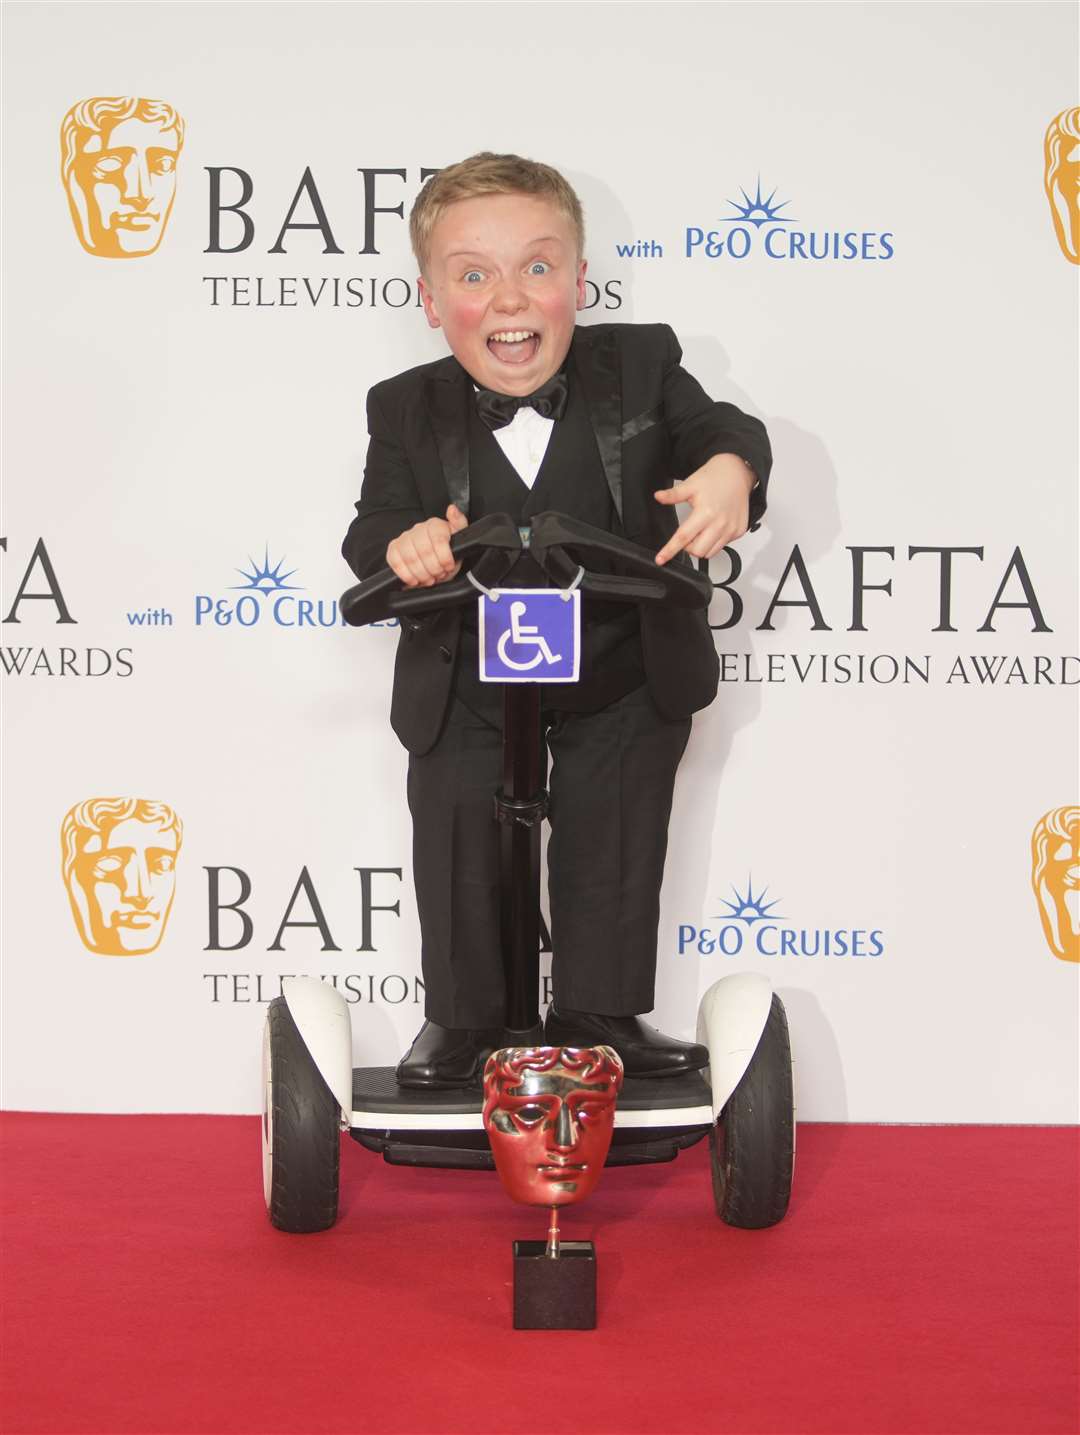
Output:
x,y
549,1112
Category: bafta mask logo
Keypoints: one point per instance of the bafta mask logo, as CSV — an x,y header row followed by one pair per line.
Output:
x,y
1055,876
549,1113
118,158
1062,179
119,866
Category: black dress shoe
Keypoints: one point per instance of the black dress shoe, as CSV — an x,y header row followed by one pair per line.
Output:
x,y
443,1057
644,1050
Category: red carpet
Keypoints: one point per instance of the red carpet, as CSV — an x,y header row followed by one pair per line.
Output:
x,y
925,1280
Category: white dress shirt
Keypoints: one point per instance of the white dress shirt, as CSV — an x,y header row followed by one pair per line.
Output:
x,y
524,440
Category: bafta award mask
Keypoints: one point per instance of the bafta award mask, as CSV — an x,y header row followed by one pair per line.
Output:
x,y
118,162
118,862
1062,179
1055,877
549,1112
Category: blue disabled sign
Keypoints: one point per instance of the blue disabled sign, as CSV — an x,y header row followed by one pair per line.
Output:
x,y
529,635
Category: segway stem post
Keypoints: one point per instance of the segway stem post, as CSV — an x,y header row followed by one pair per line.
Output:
x,y
520,808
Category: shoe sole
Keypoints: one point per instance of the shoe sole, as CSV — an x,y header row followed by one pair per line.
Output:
x,y
468,1083
666,1071
550,1040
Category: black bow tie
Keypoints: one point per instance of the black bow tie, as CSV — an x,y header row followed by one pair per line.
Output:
x,y
549,401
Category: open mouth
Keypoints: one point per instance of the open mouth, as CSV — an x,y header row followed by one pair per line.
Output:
x,y
514,346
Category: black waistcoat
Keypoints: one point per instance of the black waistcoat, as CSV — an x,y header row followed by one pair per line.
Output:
x,y
571,480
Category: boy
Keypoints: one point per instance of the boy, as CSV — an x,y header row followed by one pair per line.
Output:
x,y
532,413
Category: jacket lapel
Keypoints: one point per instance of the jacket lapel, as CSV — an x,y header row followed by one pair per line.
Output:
x,y
447,395
596,360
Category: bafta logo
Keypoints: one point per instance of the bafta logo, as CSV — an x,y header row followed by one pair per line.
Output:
x,y
549,1112
1055,876
119,867
1062,179
118,158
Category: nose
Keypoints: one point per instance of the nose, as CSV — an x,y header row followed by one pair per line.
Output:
x,y
508,298
137,880
137,179
565,1137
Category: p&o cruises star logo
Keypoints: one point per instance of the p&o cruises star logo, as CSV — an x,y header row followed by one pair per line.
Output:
x,y
751,908
264,579
758,211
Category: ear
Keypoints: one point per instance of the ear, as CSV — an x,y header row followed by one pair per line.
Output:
x,y
582,298
429,303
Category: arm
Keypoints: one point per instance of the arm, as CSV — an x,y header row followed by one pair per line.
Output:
x,y
390,526
722,464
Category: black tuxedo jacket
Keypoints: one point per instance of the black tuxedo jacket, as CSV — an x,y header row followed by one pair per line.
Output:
x,y
654,425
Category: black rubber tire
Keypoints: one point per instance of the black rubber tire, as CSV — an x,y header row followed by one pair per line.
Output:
x,y
306,1153
752,1145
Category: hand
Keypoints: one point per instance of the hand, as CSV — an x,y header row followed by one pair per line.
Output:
x,y
719,497
421,555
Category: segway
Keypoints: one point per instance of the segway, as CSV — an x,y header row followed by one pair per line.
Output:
x,y
743,1101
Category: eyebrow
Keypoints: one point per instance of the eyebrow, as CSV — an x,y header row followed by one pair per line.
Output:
x,y
532,243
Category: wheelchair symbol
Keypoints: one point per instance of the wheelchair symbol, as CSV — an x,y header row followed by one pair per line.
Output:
x,y
524,635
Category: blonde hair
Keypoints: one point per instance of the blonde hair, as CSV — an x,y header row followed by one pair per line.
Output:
x,y
488,173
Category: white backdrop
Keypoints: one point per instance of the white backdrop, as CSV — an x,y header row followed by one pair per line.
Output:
x,y
920,394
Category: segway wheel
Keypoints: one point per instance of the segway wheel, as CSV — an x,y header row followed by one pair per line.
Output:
x,y
752,1145
301,1138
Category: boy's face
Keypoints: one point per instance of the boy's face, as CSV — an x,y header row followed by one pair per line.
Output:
x,y
504,265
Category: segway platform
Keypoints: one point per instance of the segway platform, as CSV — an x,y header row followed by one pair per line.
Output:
x,y
656,1118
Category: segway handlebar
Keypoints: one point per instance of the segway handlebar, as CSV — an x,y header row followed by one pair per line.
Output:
x,y
561,546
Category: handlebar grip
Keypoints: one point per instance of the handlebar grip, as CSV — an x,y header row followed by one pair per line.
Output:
x,y
673,583
378,597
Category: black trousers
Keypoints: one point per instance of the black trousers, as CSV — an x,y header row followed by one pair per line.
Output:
x,y
612,774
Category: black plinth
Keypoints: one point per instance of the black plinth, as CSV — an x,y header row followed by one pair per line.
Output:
x,y
554,1292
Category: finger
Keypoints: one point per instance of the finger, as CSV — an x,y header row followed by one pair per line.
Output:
x,y
456,519
440,532
413,561
710,540
396,560
427,554
728,532
732,537
684,534
419,574
675,494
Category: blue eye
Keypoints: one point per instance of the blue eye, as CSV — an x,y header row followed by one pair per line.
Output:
x,y
470,274
538,267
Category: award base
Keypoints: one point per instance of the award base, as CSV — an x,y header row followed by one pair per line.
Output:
x,y
554,1292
